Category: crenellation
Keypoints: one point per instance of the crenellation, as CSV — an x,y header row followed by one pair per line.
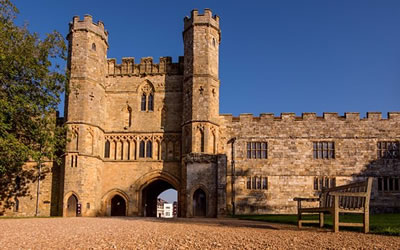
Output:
x,y
111,62
374,116
227,118
135,128
394,116
288,116
87,24
246,117
87,18
307,116
201,19
266,117
127,65
330,116
146,66
352,116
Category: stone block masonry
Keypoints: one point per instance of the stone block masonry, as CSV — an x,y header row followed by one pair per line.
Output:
x,y
139,128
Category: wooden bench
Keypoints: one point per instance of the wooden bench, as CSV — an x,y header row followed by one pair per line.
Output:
x,y
351,198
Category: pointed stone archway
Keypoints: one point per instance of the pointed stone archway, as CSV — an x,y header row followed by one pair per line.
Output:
x,y
72,206
150,194
199,203
151,186
116,203
118,206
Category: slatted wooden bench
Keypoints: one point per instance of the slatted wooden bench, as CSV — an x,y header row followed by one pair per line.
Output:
x,y
351,198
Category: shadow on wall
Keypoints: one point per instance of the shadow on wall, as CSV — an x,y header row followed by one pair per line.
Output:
x,y
385,196
15,185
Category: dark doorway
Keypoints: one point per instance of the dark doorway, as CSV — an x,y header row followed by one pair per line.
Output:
x,y
118,206
72,206
150,194
199,203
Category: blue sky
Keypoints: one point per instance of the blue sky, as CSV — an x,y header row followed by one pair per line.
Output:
x,y
275,56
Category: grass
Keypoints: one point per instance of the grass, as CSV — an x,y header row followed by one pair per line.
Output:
x,y
386,224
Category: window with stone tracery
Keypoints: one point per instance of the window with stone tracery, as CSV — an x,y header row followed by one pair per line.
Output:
x,y
150,104
147,99
143,102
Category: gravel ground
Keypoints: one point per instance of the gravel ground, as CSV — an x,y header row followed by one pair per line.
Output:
x,y
151,233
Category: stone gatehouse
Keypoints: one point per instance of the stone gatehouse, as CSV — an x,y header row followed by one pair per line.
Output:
x,y
139,128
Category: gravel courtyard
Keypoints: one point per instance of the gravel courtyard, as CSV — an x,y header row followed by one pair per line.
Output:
x,y
151,233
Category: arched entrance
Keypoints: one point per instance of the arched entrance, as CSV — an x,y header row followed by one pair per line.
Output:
x,y
199,203
118,206
72,206
150,194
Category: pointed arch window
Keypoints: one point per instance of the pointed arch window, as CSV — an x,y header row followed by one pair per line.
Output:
x,y
150,104
143,102
141,149
149,149
201,141
107,149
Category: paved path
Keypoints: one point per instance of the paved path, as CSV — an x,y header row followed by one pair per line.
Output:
x,y
149,233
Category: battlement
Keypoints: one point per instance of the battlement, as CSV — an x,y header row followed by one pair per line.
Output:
x,y
327,116
146,66
87,24
201,19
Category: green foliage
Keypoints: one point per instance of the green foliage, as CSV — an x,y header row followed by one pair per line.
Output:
x,y
387,224
31,82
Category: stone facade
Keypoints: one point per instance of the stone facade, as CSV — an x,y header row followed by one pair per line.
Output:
x,y
137,129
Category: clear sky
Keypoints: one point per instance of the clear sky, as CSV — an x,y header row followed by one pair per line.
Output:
x,y
275,56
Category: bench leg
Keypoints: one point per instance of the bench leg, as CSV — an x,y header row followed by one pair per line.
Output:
x,y
299,219
335,221
321,219
366,221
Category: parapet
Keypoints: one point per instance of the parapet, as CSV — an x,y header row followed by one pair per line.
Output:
x,y
327,116
146,66
201,19
87,24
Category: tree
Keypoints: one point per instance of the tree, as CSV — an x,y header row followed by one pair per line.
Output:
x,y
31,83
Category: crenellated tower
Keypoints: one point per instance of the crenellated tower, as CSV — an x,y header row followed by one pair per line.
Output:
x,y
201,38
87,64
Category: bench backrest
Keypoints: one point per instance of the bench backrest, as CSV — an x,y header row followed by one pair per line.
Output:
x,y
349,202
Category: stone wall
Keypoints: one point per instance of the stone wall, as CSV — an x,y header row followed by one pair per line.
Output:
x,y
208,173
290,166
22,201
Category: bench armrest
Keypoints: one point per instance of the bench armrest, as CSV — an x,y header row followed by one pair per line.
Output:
x,y
306,199
349,194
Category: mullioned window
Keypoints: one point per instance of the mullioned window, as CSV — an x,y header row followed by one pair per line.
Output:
x,y
257,150
324,150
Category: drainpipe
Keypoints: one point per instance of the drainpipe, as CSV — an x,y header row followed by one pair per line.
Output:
x,y
233,173
38,189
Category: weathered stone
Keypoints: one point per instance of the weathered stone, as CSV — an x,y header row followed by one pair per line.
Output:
x,y
193,146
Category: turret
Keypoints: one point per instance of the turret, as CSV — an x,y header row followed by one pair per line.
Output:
x,y
87,65
201,37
